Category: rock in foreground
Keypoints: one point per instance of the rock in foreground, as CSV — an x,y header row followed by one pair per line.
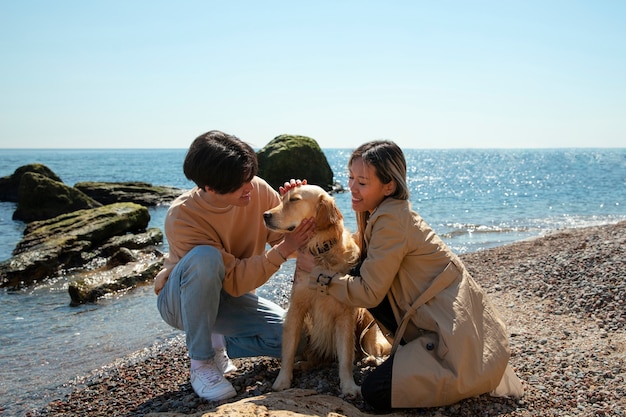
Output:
x,y
290,403
124,270
68,241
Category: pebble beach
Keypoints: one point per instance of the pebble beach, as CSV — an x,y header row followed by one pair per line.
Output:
x,y
562,295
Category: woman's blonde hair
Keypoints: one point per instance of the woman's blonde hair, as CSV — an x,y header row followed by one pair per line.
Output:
x,y
389,164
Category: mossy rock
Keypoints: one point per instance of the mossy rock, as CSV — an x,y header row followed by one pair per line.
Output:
x,y
40,198
293,156
88,287
68,241
9,185
138,192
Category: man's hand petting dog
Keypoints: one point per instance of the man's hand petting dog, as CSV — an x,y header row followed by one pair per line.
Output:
x,y
298,238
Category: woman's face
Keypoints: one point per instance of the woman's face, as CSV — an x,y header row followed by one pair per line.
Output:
x,y
367,190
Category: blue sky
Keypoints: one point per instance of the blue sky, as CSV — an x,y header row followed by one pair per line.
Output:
x,y
426,74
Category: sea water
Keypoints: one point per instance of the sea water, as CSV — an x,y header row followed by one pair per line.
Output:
x,y
474,199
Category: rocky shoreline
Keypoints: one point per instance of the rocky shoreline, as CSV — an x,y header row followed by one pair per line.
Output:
x,y
563,297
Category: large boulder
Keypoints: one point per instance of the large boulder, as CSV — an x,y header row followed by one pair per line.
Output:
x,y
9,185
40,198
142,193
292,156
71,240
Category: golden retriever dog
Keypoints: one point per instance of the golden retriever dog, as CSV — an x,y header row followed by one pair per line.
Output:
x,y
335,330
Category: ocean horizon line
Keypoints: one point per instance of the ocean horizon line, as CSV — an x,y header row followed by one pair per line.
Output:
x,y
332,148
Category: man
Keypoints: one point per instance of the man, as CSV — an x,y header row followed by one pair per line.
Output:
x,y
217,258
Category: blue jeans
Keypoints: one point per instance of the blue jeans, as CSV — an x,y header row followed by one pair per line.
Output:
x,y
193,300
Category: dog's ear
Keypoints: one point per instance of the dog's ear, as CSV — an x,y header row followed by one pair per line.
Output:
x,y
327,213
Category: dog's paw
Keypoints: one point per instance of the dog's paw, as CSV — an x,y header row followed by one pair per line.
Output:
x,y
282,382
350,389
372,360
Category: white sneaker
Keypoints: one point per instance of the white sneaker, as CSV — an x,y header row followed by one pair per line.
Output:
x,y
209,383
223,362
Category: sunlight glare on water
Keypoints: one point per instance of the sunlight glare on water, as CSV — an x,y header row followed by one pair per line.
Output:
x,y
474,199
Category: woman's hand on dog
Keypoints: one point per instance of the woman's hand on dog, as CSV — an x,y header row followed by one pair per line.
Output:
x,y
288,185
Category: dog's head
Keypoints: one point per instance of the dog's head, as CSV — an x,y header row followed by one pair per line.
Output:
x,y
301,203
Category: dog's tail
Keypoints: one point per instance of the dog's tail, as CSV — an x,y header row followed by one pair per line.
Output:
x,y
371,340
362,337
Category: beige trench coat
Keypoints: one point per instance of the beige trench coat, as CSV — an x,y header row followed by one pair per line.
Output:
x,y
456,343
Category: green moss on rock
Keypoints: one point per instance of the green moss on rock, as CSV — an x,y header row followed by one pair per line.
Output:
x,y
293,156
40,197
9,185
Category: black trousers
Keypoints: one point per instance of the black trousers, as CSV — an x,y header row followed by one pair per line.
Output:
x,y
376,387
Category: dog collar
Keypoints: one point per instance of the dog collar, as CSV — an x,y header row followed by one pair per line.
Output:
x,y
322,247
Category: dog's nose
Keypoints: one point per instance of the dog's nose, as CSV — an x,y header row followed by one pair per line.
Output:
x,y
267,215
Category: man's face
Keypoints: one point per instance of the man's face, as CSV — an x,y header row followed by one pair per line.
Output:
x,y
240,197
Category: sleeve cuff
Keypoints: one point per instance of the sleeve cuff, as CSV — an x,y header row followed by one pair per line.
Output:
x,y
274,257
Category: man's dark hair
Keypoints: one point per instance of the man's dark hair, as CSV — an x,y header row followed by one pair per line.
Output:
x,y
220,161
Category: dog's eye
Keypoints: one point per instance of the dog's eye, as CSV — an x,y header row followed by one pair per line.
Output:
x,y
295,198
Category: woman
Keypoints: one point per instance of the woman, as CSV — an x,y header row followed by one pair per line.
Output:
x,y
448,341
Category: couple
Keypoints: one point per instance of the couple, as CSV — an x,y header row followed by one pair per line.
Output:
x,y
449,342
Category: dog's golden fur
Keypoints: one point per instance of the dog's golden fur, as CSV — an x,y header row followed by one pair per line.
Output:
x,y
335,330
